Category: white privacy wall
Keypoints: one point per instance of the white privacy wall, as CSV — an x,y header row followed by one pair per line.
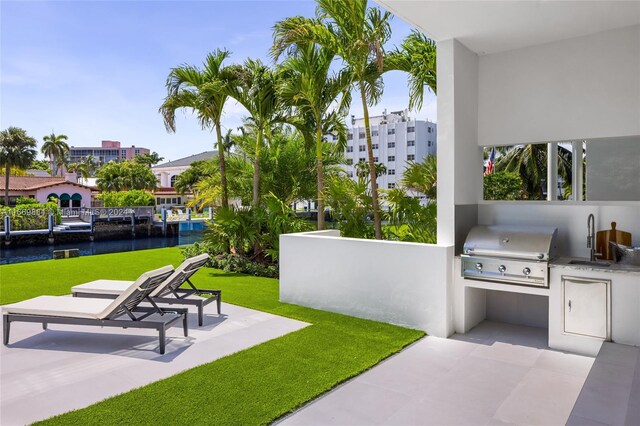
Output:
x,y
570,219
579,88
394,282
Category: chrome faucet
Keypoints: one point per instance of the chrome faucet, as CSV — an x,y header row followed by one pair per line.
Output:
x,y
591,237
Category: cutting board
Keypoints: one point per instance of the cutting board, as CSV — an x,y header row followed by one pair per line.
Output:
x,y
613,234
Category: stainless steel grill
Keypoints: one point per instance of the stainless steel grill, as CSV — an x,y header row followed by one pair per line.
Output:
x,y
509,254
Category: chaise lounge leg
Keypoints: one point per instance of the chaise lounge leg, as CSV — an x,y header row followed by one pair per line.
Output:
x,y
185,325
6,324
44,325
201,313
219,301
161,332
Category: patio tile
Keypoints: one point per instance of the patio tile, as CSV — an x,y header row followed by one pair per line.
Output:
x,y
481,384
626,356
541,398
566,363
429,412
602,402
509,353
581,421
361,403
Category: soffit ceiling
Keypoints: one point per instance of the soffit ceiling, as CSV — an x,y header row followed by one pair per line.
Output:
x,y
495,26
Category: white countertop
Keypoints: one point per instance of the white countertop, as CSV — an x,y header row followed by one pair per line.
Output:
x,y
563,262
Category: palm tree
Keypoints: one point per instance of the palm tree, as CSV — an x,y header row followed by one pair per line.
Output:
x,y
81,168
148,159
422,177
417,57
530,162
91,163
257,90
17,149
310,87
201,90
55,147
357,34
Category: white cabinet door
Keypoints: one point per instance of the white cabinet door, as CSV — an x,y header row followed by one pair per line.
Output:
x,y
586,307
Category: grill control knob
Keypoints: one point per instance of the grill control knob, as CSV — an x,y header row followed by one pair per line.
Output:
x,y
526,271
502,268
479,266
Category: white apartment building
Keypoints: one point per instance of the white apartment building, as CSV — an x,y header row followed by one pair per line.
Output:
x,y
396,139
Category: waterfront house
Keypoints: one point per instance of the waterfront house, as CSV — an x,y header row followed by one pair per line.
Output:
x,y
66,190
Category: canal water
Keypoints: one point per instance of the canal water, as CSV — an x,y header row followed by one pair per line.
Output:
x,y
188,234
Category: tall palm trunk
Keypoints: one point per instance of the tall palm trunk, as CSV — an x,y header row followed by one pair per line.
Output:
x,y
320,173
223,167
7,171
256,170
372,167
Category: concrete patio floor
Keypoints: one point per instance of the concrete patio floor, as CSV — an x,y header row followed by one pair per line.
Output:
x,y
496,374
48,372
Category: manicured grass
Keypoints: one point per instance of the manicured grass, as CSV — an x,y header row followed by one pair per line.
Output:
x,y
254,386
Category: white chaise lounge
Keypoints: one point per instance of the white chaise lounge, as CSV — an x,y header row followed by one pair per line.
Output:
x,y
125,311
168,292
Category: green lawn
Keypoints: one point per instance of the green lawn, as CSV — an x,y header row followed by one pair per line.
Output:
x,y
254,386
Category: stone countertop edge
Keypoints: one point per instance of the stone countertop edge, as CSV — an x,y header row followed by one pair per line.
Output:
x,y
563,262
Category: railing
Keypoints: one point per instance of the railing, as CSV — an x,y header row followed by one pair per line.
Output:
x,y
109,213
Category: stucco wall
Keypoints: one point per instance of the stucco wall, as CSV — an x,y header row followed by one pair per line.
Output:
x,y
398,283
570,219
580,88
43,193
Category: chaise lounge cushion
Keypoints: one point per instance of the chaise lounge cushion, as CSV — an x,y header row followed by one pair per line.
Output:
x,y
110,287
116,287
56,306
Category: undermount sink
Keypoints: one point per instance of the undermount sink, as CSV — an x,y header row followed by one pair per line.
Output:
x,y
590,263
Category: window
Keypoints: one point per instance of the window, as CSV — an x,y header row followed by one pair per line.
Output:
x,y
350,174
374,133
391,131
350,136
429,129
391,158
362,160
374,146
362,148
429,143
361,135
391,171
411,143
334,138
375,159
349,149
173,180
411,157
349,162
411,129
391,145
391,185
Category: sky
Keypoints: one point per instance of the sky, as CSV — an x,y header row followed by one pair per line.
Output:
x,y
96,70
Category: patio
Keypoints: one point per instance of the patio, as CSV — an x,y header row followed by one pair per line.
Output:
x,y
496,374
45,373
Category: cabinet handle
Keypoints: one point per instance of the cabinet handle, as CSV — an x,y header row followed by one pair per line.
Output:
x,y
569,305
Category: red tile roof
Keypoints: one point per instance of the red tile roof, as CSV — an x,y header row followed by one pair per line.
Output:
x,y
30,183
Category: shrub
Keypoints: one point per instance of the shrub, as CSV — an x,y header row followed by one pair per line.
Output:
x,y
503,186
31,215
132,198
230,262
26,200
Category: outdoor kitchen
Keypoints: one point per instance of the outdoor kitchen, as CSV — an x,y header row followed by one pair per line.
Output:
x,y
515,274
